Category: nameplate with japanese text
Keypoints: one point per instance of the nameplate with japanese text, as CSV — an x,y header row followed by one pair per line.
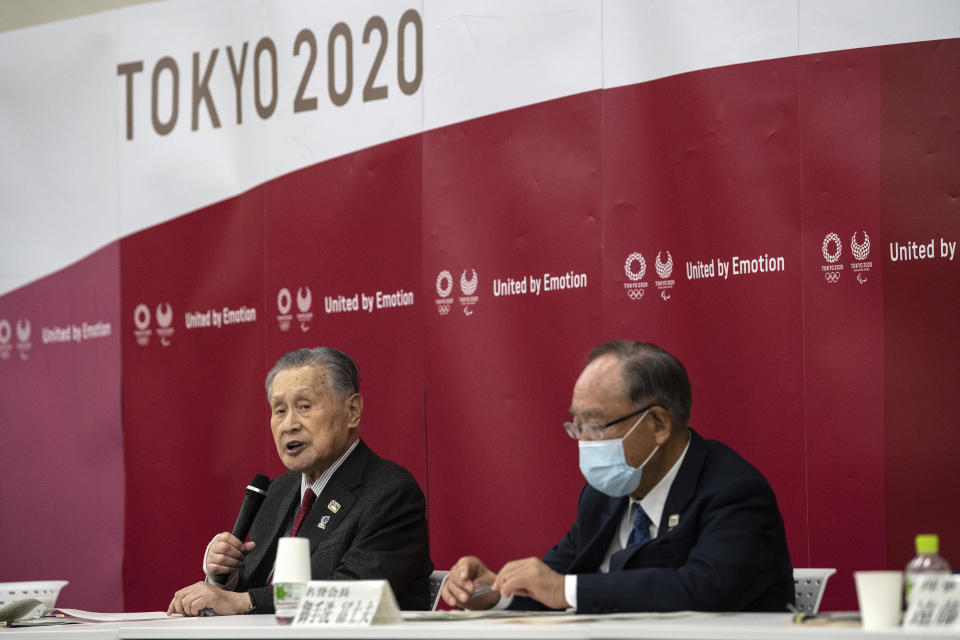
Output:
x,y
347,603
934,603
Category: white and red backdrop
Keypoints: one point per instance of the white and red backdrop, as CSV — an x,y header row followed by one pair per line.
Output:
x,y
467,196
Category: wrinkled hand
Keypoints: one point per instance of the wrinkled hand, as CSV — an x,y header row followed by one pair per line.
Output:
x,y
530,577
190,601
226,553
465,576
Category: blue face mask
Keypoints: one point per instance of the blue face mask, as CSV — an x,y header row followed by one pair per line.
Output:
x,y
604,465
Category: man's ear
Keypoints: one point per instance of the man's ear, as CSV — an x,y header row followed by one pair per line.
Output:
x,y
662,421
354,410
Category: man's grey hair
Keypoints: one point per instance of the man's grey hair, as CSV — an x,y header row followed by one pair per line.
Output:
x,y
342,374
651,375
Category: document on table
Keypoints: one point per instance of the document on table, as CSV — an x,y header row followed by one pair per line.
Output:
x,y
544,617
93,616
487,614
76,616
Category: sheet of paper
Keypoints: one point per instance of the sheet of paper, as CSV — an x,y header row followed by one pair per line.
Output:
x,y
572,618
93,616
424,616
509,616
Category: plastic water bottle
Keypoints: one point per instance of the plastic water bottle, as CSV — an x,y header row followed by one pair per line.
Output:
x,y
928,560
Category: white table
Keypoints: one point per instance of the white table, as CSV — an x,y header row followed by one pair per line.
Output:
x,y
731,626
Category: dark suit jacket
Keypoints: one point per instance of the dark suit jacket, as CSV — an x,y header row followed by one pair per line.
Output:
x,y
380,530
728,552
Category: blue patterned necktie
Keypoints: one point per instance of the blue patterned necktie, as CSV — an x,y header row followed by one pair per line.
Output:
x,y
640,533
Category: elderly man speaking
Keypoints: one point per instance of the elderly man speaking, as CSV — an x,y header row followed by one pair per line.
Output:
x,y
667,521
372,510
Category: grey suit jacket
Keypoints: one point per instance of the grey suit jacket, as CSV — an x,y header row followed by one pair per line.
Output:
x,y
379,531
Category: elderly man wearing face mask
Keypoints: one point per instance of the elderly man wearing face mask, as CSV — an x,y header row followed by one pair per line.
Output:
x,y
668,521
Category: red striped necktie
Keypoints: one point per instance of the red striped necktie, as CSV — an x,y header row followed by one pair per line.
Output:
x,y
308,498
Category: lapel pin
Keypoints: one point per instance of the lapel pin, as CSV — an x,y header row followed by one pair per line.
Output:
x,y
334,506
674,520
323,522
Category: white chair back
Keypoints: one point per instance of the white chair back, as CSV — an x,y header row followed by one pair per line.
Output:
x,y
810,585
437,578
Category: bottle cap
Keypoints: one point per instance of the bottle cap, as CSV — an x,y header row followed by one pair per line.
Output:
x,y
928,543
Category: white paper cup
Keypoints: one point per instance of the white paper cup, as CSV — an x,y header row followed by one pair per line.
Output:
x,y
879,594
291,573
293,560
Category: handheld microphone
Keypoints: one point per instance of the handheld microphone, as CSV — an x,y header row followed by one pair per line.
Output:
x,y
252,499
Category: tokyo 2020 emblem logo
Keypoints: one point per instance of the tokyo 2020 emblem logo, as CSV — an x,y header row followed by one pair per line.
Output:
x,y
468,286
284,303
831,248
6,334
23,337
164,320
664,269
164,314
830,255
635,257
444,286
141,322
860,251
304,302
635,267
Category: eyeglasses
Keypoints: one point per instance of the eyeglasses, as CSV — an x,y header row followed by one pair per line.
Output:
x,y
595,431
